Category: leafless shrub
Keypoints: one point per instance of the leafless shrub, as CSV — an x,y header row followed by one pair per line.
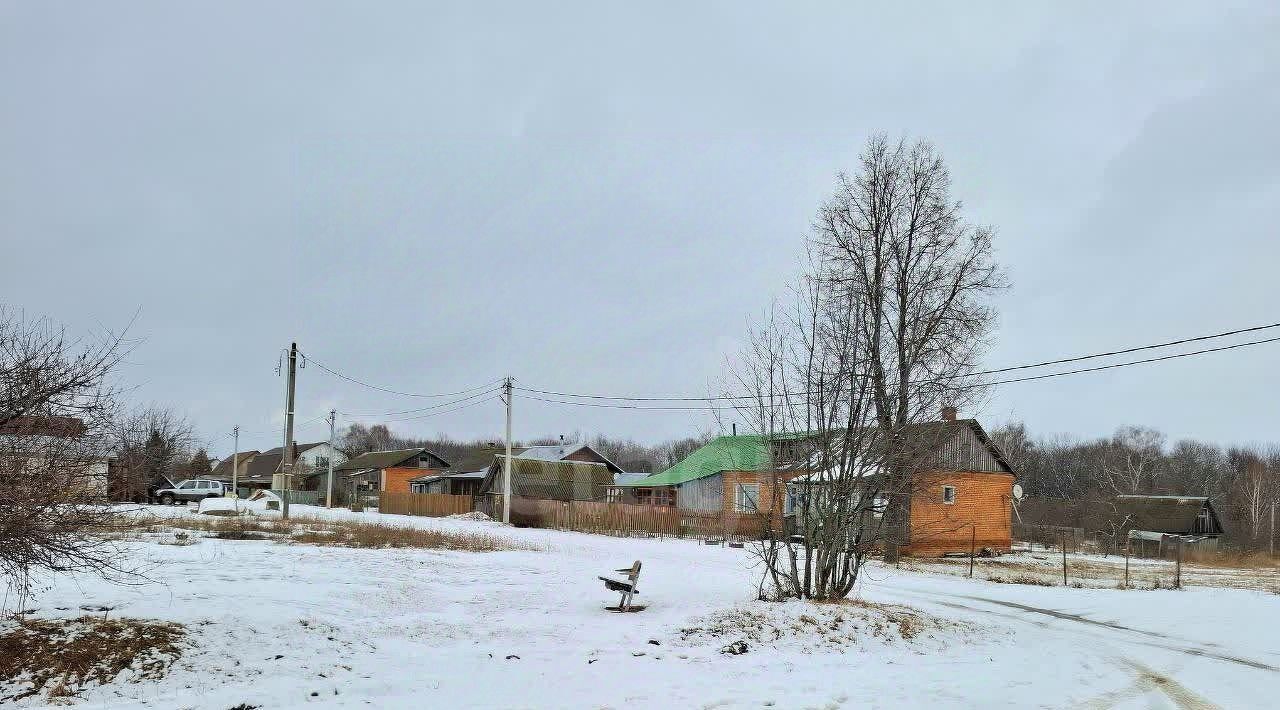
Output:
x,y
56,411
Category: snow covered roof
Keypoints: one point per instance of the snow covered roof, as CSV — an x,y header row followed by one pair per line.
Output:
x,y
558,452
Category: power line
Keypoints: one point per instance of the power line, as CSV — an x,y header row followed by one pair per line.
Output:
x,y
446,411
362,383
1138,362
711,398
1099,368
420,409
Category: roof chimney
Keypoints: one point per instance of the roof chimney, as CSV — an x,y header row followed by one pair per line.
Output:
x,y
948,413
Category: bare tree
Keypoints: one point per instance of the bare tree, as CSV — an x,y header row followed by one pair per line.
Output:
x,y
56,405
1135,461
922,279
151,445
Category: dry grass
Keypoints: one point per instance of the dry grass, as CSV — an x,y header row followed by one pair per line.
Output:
x,y
816,627
337,533
1090,571
58,657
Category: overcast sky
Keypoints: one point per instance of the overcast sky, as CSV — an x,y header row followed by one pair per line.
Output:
x,y
598,198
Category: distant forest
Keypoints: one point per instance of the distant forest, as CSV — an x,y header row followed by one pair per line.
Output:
x,y
1072,482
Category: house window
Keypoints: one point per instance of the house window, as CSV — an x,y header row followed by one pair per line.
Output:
x,y
794,499
664,496
747,498
322,462
949,494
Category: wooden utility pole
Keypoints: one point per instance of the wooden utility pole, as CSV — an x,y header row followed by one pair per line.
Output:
x,y
1127,540
328,495
235,466
1064,558
1177,570
286,463
506,474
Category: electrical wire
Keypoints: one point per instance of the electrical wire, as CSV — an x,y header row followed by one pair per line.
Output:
x,y
420,409
362,383
711,398
998,382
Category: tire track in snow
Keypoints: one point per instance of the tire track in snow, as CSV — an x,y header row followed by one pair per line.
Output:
x,y
1165,641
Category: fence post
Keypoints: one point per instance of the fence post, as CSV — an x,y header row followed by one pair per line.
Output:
x,y
1064,558
1126,561
1177,573
973,534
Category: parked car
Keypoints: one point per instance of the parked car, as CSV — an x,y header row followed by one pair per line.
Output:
x,y
189,490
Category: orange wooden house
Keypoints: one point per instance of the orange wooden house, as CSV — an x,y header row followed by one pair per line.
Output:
x,y
390,471
961,493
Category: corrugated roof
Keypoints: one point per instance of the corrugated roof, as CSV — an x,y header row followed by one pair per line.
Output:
x,y
387,459
746,452
750,452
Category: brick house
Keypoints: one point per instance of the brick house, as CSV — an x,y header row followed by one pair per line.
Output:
x,y
962,490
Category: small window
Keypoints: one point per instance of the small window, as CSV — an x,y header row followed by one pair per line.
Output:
x,y
747,499
949,494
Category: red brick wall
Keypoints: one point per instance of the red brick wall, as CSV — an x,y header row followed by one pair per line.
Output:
x,y
981,508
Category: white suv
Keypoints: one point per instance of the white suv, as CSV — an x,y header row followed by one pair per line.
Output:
x,y
194,489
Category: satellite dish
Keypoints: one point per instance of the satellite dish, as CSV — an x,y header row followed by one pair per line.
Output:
x,y
1017,491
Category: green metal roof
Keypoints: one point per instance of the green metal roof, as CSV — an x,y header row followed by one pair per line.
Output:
x,y
726,453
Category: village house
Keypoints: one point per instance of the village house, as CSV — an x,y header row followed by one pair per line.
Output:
x,y
961,494
467,473
549,480
223,471
389,471
1153,525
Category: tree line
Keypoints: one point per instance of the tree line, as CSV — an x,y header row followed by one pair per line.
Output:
x,y
1069,481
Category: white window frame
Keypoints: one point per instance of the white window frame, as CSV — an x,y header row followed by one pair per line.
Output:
x,y
951,498
740,497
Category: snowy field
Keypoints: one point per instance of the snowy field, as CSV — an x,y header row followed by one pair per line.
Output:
x,y
289,625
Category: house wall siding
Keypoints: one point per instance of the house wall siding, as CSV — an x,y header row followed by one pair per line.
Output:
x,y
981,508
966,452
701,494
395,479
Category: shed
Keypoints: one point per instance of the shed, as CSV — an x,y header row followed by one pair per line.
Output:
x,y
1174,515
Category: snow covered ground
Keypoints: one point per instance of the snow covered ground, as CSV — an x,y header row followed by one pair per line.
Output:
x,y
282,626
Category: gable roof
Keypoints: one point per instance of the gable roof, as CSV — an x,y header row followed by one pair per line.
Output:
x,y
224,466
745,452
388,459
1165,514
478,458
262,467
751,452
550,480
559,452
298,447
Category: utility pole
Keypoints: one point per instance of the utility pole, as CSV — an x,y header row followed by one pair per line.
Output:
x,y
506,475
328,496
286,462
235,466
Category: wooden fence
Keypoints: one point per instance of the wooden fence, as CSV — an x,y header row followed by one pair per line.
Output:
x,y
625,520
429,504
